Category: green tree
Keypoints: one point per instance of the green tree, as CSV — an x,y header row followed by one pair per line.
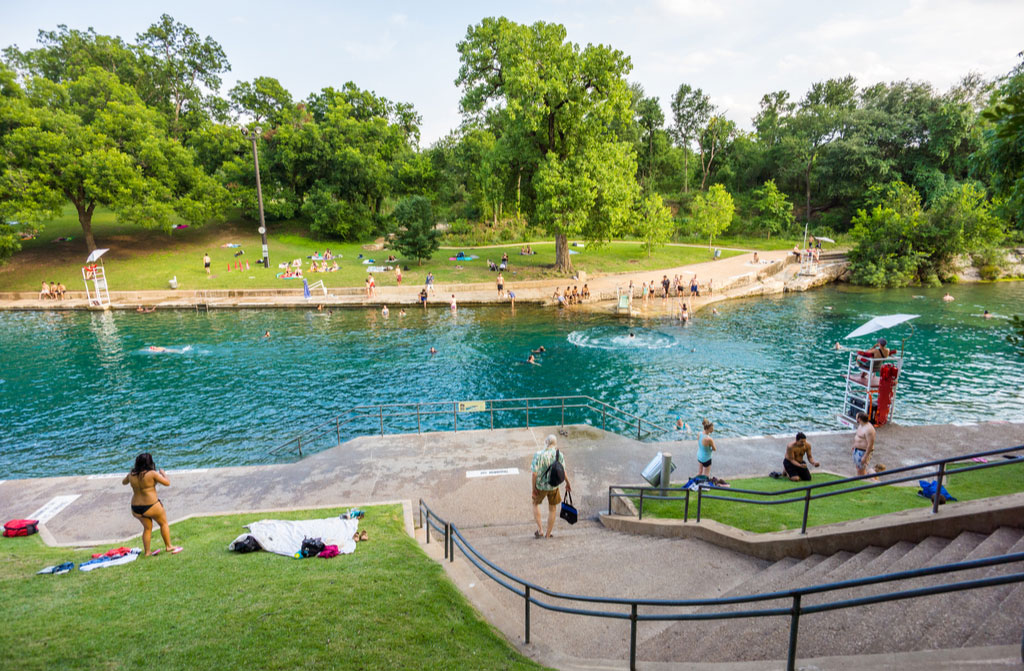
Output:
x,y
711,140
691,111
711,212
653,222
776,212
417,235
650,118
1001,158
555,106
182,66
91,141
263,99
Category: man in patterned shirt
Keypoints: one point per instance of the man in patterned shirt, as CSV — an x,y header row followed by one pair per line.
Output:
x,y
542,487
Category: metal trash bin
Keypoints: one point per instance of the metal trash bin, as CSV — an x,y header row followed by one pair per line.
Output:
x,y
652,472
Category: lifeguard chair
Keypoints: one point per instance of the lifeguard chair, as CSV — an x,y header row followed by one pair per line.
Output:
x,y
94,274
871,381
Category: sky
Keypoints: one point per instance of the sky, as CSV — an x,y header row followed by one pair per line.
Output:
x,y
736,51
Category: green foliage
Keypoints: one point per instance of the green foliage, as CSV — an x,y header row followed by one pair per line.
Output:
x,y
691,111
91,141
653,222
417,236
333,216
1001,159
776,212
263,99
552,104
712,212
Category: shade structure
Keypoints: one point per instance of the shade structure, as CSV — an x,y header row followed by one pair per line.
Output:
x,y
96,254
880,323
823,238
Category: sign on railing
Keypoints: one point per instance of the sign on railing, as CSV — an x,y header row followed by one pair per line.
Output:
x,y
472,406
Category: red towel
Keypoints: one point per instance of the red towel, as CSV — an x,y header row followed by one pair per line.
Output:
x,y
328,552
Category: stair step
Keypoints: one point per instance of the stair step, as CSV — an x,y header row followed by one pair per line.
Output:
x,y
1002,621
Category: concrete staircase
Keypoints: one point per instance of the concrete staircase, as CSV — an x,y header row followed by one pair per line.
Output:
x,y
590,560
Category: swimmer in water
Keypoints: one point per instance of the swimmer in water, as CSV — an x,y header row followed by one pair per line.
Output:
x,y
384,311
401,312
948,297
539,350
266,335
532,359
632,335
433,351
987,315
154,348
714,311
679,424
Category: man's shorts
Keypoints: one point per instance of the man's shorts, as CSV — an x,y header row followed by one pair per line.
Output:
x,y
554,496
705,464
795,471
858,460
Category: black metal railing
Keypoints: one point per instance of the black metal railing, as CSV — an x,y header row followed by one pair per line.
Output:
x,y
472,415
453,538
810,493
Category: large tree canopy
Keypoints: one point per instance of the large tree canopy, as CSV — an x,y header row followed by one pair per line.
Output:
x,y
557,107
91,141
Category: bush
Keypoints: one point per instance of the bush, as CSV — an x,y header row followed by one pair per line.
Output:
x,y
990,272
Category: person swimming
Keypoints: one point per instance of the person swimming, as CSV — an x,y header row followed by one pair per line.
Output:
x,y
433,350
384,311
948,297
266,334
156,348
539,350
987,315
632,335
532,359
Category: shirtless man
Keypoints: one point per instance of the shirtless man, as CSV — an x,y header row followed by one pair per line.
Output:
x,y
206,263
879,351
863,443
793,465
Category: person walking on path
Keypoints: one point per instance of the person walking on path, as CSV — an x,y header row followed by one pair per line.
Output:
x,y
206,262
146,506
863,443
398,275
542,469
501,286
793,465
705,446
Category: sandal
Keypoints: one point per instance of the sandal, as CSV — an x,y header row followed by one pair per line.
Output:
x,y
537,534
363,536
154,553
176,549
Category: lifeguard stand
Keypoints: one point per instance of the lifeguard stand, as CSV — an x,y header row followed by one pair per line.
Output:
x,y
871,388
94,273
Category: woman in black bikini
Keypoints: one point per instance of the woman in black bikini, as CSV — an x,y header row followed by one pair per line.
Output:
x,y
146,507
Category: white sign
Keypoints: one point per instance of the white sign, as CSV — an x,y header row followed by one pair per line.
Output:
x,y
472,406
492,471
54,506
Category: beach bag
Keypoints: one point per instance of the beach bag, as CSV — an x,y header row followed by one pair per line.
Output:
x,y
311,547
928,491
569,512
21,528
247,544
555,473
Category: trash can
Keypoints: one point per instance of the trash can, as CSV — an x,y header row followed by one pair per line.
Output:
x,y
652,472
173,282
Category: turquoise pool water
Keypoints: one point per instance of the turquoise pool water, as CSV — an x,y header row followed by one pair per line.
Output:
x,y
81,392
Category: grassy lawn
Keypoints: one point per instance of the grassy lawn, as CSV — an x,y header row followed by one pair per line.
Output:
x,y
868,503
143,259
387,606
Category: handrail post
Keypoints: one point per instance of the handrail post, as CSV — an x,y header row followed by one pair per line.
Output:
x,y
794,626
447,533
609,500
299,440
938,487
807,508
638,428
527,413
427,527
455,415
418,430
563,413
686,508
421,513
492,415
337,428
632,637
380,409
641,512
604,417
451,543
527,600
700,490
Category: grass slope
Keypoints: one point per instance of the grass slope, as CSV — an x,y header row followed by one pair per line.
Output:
x,y
857,505
144,259
388,606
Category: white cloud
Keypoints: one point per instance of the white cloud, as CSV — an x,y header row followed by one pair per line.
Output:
x,y
707,9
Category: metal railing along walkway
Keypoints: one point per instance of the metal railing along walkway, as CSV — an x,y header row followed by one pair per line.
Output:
x,y
470,415
810,493
629,609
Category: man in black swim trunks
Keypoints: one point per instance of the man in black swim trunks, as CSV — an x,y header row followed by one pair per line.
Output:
x,y
423,297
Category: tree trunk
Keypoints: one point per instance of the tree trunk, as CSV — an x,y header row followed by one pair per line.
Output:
x,y
563,263
807,180
686,170
85,219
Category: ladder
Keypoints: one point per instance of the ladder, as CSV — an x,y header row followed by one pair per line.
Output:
x,y
863,377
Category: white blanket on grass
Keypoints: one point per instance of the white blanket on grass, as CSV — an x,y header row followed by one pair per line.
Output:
x,y
284,537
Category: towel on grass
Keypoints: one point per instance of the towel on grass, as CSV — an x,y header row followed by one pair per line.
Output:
x,y
284,537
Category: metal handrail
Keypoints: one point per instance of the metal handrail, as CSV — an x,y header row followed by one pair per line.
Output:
x,y
380,413
805,493
453,538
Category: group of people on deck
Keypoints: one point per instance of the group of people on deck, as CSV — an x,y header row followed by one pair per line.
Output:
x,y
571,295
53,290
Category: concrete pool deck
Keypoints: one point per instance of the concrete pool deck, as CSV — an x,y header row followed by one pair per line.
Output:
x,y
444,469
730,277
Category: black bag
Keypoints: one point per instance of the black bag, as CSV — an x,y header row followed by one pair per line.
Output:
x,y
569,512
311,547
555,472
247,544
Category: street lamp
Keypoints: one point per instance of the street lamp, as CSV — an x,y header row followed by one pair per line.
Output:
x,y
253,135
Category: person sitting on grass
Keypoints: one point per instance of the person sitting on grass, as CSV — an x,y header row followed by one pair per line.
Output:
x,y
794,466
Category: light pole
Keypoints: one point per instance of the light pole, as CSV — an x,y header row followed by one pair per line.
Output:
x,y
253,135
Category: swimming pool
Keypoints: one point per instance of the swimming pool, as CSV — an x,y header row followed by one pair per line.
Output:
x,y
82,393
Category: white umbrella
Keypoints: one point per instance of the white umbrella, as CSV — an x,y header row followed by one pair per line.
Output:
x,y
823,239
879,323
96,254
